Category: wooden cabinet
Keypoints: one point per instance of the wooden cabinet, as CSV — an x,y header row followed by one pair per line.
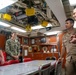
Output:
x,y
41,56
48,47
43,47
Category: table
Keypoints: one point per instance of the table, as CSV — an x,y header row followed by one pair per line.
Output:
x,y
25,68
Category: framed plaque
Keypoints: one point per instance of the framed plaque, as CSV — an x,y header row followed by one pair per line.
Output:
x,y
25,40
32,41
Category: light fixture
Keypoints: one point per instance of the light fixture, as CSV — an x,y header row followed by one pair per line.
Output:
x,y
4,24
39,26
52,33
75,24
44,23
18,29
72,2
28,28
6,3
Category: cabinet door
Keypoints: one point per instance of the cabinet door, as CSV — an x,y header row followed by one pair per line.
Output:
x,y
38,56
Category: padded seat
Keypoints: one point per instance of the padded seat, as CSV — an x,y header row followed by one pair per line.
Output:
x,y
13,61
8,62
27,59
5,55
5,63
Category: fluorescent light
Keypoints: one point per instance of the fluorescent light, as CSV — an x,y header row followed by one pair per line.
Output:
x,y
4,24
18,29
75,24
39,26
49,25
72,2
52,33
5,3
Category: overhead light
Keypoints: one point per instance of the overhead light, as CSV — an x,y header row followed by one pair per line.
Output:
x,y
49,25
72,2
18,29
4,24
75,24
39,26
52,33
4,3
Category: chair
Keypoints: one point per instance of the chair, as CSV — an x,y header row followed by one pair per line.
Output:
x,y
45,70
27,59
58,68
5,55
13,61
48,58
52,68
51,58
35,73
5,63
8,62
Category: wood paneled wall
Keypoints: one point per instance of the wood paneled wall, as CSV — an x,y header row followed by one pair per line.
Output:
x,y
2,41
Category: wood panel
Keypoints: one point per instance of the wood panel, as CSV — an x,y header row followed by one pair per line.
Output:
x,y
2,41
53,39
41,56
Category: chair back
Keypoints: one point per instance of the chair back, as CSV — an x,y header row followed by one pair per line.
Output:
x,y
45,70
27,59
13,61
58,68
5,55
